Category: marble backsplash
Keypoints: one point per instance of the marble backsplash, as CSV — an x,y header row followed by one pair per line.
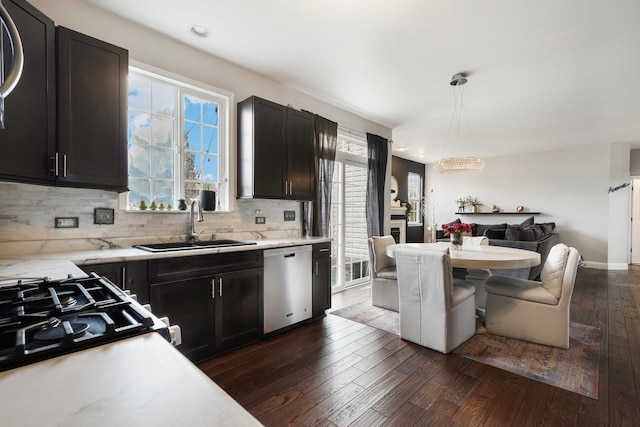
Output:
x,y
27,218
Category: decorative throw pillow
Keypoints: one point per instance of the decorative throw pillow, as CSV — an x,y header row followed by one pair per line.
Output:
x,y
537,231
526,235
548,227
481,228
527,222
498,233
511,233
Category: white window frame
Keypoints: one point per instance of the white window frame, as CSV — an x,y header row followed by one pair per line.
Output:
x,y
226,116
415,204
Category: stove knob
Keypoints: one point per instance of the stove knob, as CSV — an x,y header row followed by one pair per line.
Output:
x,y
176,335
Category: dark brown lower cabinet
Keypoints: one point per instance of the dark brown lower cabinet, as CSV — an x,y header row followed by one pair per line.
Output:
x,y
321,279
238,308
130,275
188,304
215,299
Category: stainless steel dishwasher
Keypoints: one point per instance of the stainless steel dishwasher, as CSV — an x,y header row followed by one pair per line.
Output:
x,y
287,286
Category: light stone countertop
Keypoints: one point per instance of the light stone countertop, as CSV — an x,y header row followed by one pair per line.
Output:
x,y
59,264
140,381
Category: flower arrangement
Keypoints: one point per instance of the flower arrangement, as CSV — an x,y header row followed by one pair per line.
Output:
x,y
473,201
459,227
455,231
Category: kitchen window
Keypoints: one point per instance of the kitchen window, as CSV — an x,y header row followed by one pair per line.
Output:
x,y
177,141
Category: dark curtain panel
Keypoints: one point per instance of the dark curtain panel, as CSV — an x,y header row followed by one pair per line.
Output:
x,y
376,172
316,214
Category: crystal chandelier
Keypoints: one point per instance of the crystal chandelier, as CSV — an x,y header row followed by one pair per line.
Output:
x,y
458,164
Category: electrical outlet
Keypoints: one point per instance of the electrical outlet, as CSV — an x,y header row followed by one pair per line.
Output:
x,y
289,215
103,216
67,222
260,220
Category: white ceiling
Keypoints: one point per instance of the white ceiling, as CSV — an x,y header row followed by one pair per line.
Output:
x,y
543,73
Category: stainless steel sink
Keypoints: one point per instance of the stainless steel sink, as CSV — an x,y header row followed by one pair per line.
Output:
x,y
182,246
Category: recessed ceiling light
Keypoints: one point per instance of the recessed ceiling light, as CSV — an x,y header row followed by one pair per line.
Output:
x,y
199,30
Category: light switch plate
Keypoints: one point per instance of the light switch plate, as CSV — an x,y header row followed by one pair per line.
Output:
x,y
67,222
289,215
103,216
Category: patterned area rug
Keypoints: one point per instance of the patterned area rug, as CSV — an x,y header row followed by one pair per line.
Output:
x,y
365,313
575,369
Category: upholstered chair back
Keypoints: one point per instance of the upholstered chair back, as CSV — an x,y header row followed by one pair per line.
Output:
x,y
559,271
436,311
475,241
378,255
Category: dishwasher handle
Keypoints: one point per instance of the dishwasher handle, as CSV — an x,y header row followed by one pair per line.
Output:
x,y
289,255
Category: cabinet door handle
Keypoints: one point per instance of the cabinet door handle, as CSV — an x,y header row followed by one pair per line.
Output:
x,y
221,286
291,188
124,278
57,165
324,250
213,288
315,268
64,165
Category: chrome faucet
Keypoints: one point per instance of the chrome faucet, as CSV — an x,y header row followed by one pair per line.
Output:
x,y
192,234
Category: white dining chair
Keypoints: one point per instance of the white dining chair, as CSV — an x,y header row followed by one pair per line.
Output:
x,y
436,310
382,270
535,311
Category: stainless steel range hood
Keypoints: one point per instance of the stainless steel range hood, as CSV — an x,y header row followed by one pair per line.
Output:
x,y
12,75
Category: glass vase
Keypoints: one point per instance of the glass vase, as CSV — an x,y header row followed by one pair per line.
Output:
x,y
456,240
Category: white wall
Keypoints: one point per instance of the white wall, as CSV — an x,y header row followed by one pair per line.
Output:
x,y
619,230
568,186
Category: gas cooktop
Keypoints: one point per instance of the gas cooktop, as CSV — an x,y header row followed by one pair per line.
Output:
x,y
45,318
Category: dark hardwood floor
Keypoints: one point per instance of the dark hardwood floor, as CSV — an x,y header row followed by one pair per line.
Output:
x,y
335,372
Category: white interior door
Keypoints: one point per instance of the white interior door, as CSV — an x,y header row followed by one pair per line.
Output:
x,y
635,221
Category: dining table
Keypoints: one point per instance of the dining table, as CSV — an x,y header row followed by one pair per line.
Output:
x,y
477,256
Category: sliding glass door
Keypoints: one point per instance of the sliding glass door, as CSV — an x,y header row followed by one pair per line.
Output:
x,y
350,259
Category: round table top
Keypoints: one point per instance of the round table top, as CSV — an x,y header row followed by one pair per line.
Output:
x,y
478,256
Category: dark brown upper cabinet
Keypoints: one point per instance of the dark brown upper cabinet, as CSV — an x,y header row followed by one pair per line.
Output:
x,y
275,151
66,120
28,140
92,112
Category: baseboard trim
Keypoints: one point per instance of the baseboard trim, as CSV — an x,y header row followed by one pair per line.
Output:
x,y
606,266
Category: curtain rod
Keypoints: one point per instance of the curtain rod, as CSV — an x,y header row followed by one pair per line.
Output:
x,y
352,131
356,132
